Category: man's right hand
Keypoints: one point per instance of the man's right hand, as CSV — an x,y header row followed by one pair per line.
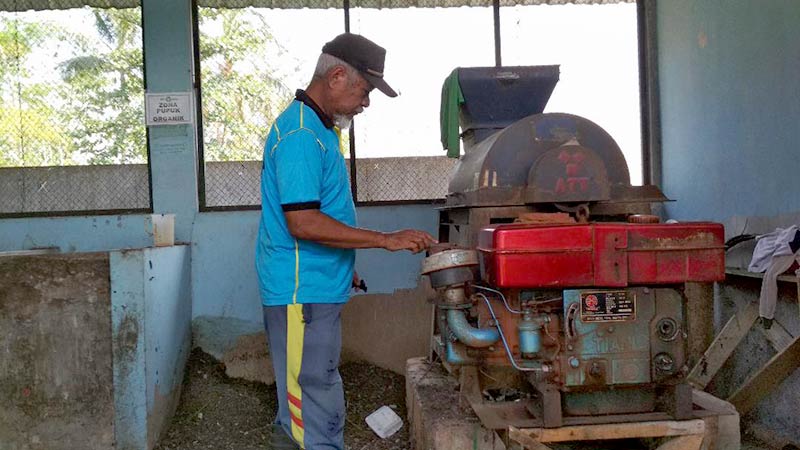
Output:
x,y
414,241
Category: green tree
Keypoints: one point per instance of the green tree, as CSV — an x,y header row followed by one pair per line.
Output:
x,y
30,134
242,92
103,90
93,112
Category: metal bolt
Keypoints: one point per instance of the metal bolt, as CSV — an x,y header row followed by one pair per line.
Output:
x,y
570,347
610,329
667,329
574,362
664,363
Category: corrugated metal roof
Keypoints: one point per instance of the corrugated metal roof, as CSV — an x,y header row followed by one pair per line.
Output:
x,y
282,4
24,5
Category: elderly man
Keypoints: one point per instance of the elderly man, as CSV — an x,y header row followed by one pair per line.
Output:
x,y
307,236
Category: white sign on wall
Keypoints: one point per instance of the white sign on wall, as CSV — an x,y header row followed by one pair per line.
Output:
x,y
169,108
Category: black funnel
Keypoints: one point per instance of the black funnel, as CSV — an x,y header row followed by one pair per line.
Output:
x,y
496,97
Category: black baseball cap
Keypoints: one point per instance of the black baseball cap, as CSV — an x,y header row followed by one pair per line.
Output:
x,y
364,55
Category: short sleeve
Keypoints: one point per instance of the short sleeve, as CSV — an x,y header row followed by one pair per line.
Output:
x,y
298,161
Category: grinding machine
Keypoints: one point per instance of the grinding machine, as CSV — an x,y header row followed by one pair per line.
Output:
x,y
560,297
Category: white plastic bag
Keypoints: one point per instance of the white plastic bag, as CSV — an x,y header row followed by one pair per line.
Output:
x,y
384,422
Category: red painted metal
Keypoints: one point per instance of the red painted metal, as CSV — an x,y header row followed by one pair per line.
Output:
x,y
601,254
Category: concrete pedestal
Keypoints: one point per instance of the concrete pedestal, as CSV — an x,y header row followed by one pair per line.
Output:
x,y
438,422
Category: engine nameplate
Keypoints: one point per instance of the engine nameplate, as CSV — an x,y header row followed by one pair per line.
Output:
x,y
607,306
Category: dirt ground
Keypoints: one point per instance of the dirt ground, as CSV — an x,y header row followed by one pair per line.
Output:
x,y
220,413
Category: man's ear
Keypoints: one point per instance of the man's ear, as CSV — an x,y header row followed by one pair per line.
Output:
x,y
337,77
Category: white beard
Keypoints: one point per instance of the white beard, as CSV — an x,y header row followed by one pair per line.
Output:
x,y
342,121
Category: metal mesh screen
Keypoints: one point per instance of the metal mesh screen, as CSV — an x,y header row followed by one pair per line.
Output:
x,y
77,188
236,183
72,136
40,5
243,86
403,178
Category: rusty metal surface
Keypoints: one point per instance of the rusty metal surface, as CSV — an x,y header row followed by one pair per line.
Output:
x,y
545,160
543,157
623,199
494,415
568,173
694,241
583,403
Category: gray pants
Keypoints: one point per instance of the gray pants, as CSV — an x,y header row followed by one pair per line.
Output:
x,y
305,342
769,286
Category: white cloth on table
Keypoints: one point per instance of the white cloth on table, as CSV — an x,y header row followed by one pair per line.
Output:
x,y
772,255
772,244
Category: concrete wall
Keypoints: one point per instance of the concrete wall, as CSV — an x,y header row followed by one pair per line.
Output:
x,y
94,347
730,104
388,329
55,353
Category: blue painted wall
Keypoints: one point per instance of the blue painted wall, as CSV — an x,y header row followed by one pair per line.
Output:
x,y
151,313
730,97
168,331
77,234
128,343
223,252
730,108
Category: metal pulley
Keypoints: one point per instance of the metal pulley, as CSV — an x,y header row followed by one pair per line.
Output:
x,y
451,267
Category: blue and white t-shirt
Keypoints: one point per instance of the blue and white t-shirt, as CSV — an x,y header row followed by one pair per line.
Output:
x,y
303,169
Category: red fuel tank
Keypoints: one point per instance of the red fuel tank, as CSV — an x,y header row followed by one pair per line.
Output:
x,y
601,254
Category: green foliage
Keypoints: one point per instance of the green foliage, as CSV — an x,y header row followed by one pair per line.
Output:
x,y
104,91
242,94
93,113
76,96
28,134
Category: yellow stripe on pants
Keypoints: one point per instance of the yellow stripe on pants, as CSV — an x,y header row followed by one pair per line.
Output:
x,y
295,329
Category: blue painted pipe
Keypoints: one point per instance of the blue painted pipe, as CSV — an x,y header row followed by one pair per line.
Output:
x,y
467,334
456,354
